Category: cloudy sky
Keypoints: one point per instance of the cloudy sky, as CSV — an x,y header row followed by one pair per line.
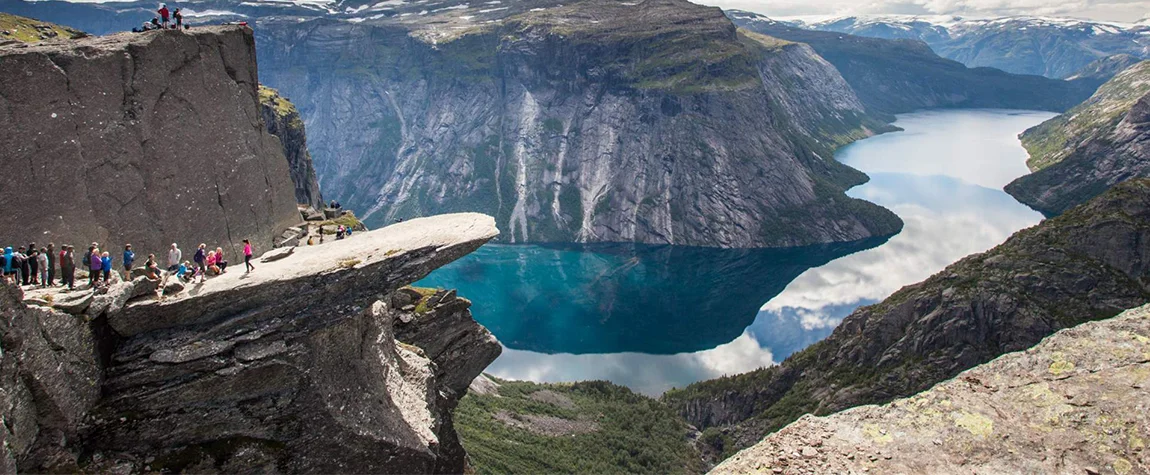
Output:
x,y
1109,10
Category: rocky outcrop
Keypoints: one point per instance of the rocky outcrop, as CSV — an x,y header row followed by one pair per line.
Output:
x,y
14,28
283,120
657,122
1075,403
897,76
306,364
146,138
1101,142
49,380
1088,264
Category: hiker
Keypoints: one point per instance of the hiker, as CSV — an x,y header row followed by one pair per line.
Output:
x,y
220,261
106,265
42,263
174,256
163,11
95,267
33,265
151,269
179,17
8,260
248,256
182,270
347,231
129,259
68,266
201,260
334,204
339,232
51,251
25,268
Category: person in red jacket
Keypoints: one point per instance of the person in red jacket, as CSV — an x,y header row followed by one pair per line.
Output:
x,y
164,14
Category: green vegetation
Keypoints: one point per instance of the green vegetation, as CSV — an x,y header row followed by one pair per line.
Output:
x,y
25,30
422,307
282,107
1056,139
598,427
348,220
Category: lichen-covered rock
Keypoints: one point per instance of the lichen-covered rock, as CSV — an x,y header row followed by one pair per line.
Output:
x,y
147,139
1075,403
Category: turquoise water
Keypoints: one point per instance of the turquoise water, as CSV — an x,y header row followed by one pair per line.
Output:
x,y
656,317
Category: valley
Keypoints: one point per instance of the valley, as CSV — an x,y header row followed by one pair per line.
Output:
x,y
589,237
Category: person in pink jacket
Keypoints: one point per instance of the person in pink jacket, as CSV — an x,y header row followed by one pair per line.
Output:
x,y
248,256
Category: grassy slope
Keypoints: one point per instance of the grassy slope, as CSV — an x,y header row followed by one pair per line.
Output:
x,y
24,29
634,434
1052,141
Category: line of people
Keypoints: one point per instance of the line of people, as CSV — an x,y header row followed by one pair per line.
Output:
x,y
32,266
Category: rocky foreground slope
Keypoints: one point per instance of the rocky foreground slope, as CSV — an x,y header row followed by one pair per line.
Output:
x,y
318,361
1075,403
1088,264
143,138
1101,142
654,122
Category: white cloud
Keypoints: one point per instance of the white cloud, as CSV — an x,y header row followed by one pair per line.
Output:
x,y
1110,10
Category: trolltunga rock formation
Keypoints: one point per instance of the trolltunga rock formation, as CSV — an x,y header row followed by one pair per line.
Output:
x,y
147,138
315,362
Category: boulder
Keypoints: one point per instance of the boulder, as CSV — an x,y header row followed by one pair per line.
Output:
x,y
173,286
332,213
312,214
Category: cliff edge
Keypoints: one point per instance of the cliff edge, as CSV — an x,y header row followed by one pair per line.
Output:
x,y
315,362
147,138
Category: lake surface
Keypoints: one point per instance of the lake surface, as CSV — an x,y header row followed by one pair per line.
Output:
x,y
656,317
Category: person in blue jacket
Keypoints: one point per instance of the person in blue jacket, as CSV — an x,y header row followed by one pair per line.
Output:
x,y
8,271
106,265
129,259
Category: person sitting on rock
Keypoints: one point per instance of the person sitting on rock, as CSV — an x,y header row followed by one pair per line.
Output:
x,y
151,269
184,271
220,261
106,265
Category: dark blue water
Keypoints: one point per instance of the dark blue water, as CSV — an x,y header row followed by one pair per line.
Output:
x,y
655,317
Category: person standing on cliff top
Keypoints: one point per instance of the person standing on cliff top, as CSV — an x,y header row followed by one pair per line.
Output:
x,y
68,266
51,251
106,265
174,257
179,17
163,11
42,263
33,264
95,266
25,268
248,256
201,260
129,259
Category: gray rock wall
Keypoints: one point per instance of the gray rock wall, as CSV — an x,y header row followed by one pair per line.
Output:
x,y
283,121
144,138
665,126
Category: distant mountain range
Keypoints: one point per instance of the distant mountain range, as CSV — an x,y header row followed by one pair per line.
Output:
x,y
1052,47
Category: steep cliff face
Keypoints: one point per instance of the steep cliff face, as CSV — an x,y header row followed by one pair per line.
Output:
x,y
1088,264
903,75
1049,409
145,138
1101,142
315,362
283,121
597,121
